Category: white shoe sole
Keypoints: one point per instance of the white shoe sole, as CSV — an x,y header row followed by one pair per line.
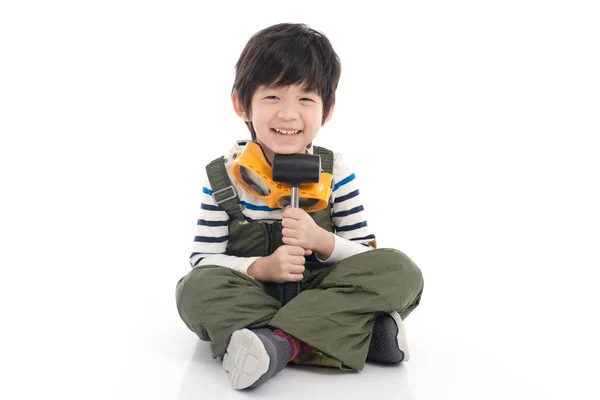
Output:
x,y
246,359
401,337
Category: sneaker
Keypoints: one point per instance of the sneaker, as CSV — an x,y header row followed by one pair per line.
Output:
x,y
254,356
388,343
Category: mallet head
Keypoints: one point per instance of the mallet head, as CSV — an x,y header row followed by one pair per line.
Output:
x,y
296,168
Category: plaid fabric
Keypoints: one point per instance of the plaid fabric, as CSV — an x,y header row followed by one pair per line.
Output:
x,y
303,354
315,357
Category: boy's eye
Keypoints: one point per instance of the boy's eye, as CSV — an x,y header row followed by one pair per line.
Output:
x,y
275,98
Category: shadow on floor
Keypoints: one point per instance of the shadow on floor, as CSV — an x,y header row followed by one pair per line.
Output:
x,y
205,378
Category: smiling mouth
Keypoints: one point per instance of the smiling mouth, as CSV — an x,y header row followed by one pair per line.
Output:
x,y
286,132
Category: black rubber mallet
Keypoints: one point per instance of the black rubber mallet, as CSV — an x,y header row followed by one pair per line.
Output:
x,y
295,169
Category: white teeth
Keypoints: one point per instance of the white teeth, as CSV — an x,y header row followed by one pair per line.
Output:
x,y
285,132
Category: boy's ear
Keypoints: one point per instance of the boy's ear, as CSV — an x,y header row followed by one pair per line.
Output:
x,y
330,114
237,106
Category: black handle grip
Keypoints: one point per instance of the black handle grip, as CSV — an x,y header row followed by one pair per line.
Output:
x,y
290,290
295,169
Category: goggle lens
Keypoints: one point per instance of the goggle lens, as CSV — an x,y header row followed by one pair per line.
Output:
x,y
254,181
304,202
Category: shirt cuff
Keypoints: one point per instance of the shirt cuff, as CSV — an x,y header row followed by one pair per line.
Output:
x,y
343,248
240,264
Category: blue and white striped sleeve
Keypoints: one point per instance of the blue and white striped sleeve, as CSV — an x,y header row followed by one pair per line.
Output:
x,y
212,235
352,234
348,214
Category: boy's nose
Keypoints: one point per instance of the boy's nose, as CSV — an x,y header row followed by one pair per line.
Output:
x,y
287,112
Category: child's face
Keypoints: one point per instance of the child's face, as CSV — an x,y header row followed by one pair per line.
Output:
x,y
288,109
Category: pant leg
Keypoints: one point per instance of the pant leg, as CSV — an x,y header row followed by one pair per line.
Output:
x,y
337,316
215,301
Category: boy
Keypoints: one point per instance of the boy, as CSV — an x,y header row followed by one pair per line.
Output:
x,y
353,296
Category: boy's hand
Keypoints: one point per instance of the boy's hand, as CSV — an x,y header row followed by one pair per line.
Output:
x,y
286,264
299,229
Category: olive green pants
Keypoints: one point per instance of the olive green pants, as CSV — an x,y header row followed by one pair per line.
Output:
x,y
334,312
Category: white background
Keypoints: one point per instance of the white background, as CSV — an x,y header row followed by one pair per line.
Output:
x,y
473,127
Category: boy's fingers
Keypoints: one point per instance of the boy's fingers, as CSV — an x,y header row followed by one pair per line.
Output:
x,y
293,277
297,260
289,233
294,213
296,269
295,250
289,223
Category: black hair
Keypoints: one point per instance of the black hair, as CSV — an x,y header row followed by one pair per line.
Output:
x,y
287,54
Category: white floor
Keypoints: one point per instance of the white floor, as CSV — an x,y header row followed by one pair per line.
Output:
x,y
494,336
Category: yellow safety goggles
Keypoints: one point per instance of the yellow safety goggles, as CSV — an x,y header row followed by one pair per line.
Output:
x,y
254,173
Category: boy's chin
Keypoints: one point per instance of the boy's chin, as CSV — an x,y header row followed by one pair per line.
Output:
x,y
289,151
282,149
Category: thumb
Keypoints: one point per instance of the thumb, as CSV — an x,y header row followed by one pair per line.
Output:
x,y
307,252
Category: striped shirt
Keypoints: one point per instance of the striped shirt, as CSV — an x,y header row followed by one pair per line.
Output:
x,y
352,234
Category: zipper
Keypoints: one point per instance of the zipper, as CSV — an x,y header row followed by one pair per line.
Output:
x,y
269,233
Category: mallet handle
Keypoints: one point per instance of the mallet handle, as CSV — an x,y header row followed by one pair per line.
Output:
x,y
295,200
291,289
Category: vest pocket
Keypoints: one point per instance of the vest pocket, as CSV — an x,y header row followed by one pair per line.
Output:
x,y
247,240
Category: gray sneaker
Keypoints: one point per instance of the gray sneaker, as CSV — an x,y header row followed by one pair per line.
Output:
x,y
254,356
388,343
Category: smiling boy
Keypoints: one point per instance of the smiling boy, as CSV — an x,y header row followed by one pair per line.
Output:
x,y
353,296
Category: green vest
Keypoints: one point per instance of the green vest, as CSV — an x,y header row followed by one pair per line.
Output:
x,y
257,239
